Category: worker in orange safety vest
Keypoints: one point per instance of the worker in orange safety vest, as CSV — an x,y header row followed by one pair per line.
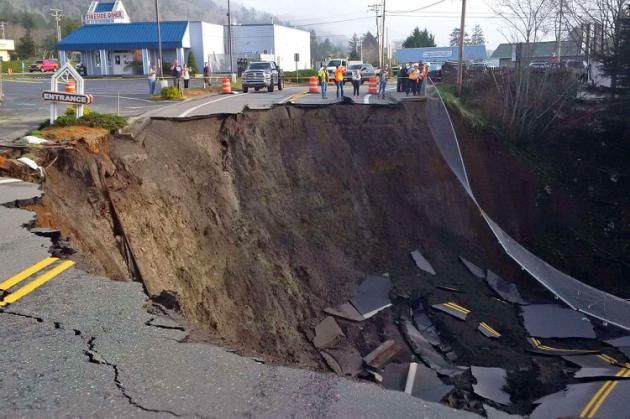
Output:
x,y
339,74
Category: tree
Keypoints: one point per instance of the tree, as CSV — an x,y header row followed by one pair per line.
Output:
x,y
477,37
370,49
455,38
419,39
354,46
68,26
25,47
192,63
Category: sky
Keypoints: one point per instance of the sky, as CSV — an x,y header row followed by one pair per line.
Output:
x,y
440,18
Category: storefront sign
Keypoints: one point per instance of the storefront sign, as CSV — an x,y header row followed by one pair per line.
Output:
x,y
103,17
72,98
7,45
437,54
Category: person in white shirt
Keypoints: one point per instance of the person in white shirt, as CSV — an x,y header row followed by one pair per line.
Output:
x,y
356,82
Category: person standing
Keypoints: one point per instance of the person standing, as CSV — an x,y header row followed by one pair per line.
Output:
x,y
151,79
424,70
322,76
339,73
356,82
402,79
206,76
176,71
186,76
383,83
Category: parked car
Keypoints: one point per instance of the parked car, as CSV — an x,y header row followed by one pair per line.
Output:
x,y
539,65
333,64
477,67
262,74
367,71
44,66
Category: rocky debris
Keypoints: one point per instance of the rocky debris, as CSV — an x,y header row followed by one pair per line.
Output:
x,y
424,350
553,321
345,311
167,299
425,326
490,384
382,354
344,359
421,262
453,309
327,333
372,295
473,269
504,289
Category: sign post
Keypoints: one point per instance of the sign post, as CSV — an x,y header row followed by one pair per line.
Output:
x,y
296,58
74,93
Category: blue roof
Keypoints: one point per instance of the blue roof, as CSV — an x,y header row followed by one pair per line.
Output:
x,y
104,7
441,54
124,36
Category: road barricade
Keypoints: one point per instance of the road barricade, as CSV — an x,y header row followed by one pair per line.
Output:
x,y
372,85
312,85
227,86
71,86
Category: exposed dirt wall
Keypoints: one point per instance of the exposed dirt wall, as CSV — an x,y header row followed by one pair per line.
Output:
x,y
259,221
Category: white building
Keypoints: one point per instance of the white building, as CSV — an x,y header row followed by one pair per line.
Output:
x,y
6,47
282,42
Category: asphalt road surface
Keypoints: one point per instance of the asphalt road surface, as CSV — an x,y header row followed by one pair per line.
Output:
x,y
76,345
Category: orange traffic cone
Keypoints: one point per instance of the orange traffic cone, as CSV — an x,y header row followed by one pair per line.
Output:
x,y
372,85
227,86
71,86
312,85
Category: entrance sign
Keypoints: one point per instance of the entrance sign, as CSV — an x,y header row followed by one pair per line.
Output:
x,y
68,77
71,98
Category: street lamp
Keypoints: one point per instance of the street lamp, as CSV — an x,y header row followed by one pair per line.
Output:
x,y
159,37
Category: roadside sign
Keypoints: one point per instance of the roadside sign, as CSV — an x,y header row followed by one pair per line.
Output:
x,y
296,57
71,98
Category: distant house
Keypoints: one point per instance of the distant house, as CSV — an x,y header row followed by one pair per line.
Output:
x,y
7,46
509,54
440,54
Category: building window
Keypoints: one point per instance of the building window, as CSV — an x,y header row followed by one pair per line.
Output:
x,y
117,59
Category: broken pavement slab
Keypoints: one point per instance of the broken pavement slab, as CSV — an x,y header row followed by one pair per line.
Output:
x,y
424,350
327,333
383,353
345,311
541,348
473,269
424,383
595,366
504,289
425,326
598,399
344,359
490,384
622,344
421,262
488,331
372,295
453,309
553,321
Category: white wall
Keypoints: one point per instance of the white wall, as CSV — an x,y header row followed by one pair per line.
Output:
x,y
289,41
249,40
206,39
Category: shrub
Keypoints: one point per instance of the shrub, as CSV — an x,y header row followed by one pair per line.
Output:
x,y
36,133
192,63
171,93
91,119
71,110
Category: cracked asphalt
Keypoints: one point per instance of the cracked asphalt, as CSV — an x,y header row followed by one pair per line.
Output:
x,y
85,346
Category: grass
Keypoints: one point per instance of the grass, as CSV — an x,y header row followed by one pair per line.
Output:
x,y
470,117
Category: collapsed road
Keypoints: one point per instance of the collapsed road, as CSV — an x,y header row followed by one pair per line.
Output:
x,y
318,237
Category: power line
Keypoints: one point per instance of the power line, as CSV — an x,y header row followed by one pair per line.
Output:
x,y
57,14
334,21
419,8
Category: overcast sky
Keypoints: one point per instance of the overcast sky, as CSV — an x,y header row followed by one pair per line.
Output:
x,y
439,19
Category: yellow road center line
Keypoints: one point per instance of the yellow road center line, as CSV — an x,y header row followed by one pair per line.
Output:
x,y
585,412
608,358
452,304
16,279
33,285
605,395
456,308
489,329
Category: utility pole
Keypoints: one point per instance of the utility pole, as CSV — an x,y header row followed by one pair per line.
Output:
x,y
159,37
57,14
376,8
2,26
460,63
560,34
383,38
229,16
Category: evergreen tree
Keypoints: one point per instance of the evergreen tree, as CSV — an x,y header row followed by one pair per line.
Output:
x,y
25,47
616,64
192,63
353,45
419,39
455,38
478,37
